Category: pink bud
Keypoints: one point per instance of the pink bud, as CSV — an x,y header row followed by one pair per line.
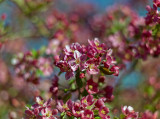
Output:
x,y
82,75
3,16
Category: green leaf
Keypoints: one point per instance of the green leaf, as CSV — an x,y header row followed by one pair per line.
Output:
x,y
78,80
85,93
95,112
65,90
97,117
34,53
72,117
108,105
73,86
150,107
39,72
122,116
71,81
115,118
28,105
150,90
62,114
60,73
106,71
156,30
67,97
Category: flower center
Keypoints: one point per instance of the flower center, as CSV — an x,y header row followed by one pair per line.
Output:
x,y
77,61
78,112
91,66
88,115
103,111
90,87
85,101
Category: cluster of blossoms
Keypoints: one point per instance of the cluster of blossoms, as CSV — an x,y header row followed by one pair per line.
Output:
x,y
87,108
91,87
30,66
91,59
69,27
126,44
153,15
109,27
129,113
138,41
120,28
41,110
149,45
33,64
149,115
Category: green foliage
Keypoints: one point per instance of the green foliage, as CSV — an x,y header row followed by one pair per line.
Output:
x,y
34,53
95,112
106,71
97,117
118,26
149,107
156,30
63,115
115,118
78,79
85,93
122,116
67,97
149,90
73,86
72,117
108,105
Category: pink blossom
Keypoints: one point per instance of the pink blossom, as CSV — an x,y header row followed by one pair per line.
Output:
x,y
129,112
87,114
91,87
103,111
